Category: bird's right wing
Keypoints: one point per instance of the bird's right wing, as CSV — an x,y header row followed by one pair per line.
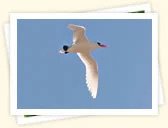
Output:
x,y
91,73
78,33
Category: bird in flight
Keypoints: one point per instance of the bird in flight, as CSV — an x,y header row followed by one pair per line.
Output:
x,y
83,47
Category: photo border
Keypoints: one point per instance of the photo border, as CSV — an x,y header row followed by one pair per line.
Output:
x,y
13,65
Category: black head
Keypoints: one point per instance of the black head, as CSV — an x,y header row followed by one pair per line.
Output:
x,y
101,45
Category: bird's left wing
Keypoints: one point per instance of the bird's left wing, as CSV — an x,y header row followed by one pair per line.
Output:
x,y
78,33
91,73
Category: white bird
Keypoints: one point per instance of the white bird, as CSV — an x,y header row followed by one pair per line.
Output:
x,y
83,47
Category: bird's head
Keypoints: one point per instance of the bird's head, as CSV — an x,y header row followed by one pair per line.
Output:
x,y
100,45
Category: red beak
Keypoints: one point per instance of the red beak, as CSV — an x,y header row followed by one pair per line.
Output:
x,y
103,46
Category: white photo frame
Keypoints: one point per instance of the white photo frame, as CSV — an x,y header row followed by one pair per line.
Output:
x,y
129,8
13,66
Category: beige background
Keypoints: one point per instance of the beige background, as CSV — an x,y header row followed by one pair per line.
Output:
x,y
6,6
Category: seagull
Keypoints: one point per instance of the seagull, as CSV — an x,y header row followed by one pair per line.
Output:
x,y
83,47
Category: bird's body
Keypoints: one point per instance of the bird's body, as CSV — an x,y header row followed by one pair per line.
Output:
x,y
83,47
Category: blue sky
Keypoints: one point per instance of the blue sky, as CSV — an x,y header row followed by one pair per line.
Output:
x,y
48,80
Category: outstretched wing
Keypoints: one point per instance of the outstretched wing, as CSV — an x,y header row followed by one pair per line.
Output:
x,y
91,73
78,33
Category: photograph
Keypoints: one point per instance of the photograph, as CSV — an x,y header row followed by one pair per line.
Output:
x,y
84,64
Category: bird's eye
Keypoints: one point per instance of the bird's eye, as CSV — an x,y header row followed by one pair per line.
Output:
x,y
98,43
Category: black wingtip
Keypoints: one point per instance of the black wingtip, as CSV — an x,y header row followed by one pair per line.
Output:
x,y
65,47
